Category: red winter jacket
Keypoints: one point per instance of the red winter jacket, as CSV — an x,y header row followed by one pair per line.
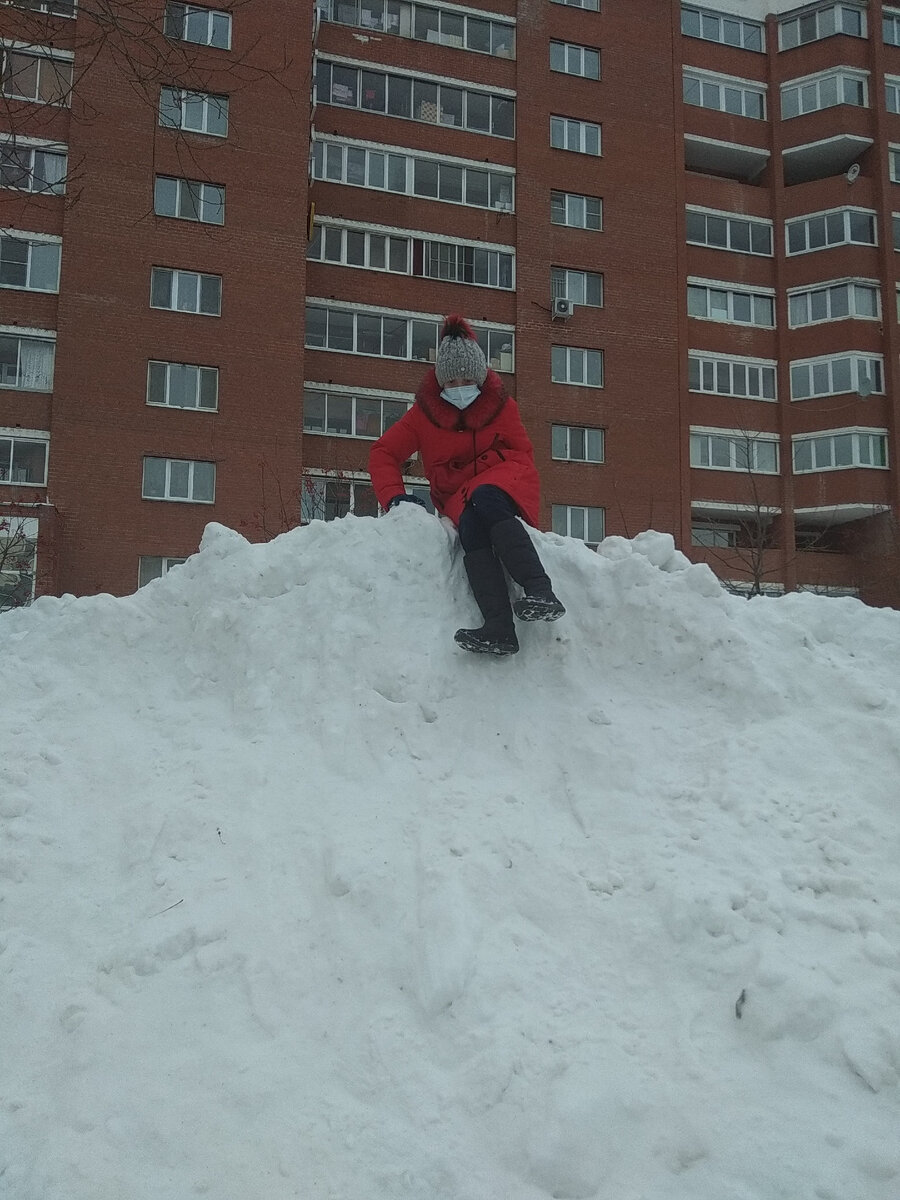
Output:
x,y
461,450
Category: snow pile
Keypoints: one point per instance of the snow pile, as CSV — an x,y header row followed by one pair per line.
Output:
x,y
300,900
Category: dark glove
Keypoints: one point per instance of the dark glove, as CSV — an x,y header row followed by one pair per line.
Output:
x,y
406,496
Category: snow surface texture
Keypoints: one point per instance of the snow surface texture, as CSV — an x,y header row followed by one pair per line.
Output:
x,y
301,900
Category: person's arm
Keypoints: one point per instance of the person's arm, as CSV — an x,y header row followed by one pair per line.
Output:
x,y
395,446
515,433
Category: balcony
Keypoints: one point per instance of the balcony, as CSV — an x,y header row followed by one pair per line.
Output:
x,y
729,160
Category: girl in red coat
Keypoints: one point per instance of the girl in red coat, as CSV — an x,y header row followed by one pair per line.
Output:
x,y
480,464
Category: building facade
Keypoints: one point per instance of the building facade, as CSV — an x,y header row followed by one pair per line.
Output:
x,y
223,270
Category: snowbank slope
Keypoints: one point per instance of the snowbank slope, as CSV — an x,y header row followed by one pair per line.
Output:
x,y
300,900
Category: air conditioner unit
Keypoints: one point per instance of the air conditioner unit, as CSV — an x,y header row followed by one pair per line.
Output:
x,y
563,308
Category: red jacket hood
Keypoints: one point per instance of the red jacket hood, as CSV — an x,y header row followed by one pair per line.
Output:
x,y
445,416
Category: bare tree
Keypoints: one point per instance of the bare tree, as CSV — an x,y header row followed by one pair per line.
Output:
x,y
17,562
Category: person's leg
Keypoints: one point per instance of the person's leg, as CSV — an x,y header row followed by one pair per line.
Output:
x,y
488,584
517,552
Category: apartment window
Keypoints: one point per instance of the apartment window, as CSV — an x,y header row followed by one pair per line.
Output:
x,y
749,379
734,450
194,112
179,479
324,499
182,385
581,287
823,23
580,212
840,450
734,305
722,28
18,560
349,414
576,443
894,160
581,137
572,59
186,291
836,374
29,261
454,182
26,75
571,364
23,459
153,566
835,228
203,26
740,97
26,362
425,23
189,199
714,535
892,93
891,27
415,99
895,229
833,302
593,5
842,86
33,167
396,335
721,231
577,521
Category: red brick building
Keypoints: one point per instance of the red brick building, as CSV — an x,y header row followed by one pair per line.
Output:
x,y
670,224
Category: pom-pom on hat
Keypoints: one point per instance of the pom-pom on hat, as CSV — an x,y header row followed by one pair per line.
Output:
x,y
459,356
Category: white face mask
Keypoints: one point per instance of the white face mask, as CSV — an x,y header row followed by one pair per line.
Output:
x,y
462,397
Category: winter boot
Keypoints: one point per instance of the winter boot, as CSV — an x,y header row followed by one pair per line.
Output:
x,y
517,553
488,583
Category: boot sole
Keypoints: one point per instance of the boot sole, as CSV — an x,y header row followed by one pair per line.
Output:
x,y
538,610
476,646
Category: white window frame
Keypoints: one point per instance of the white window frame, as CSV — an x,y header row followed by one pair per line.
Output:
x,y
741,444
573,285
54,8
846,238
892,93
576,136
180,282
864,368
191,18
723,535
590,5
41,54
28,148
32,240
714,370
733,225
20,538
730,291
857,434
723,28
166,563
823,27
829,288
435,111
354,394
579,362
400,20
723,89
181,100
331,153
170,463
497,341
169,369
592,439
46,338
583,61
207,200
563,517
572,202
32,437
890,26
805,94
314,490
894,161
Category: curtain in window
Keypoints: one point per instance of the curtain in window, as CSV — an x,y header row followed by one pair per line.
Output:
x,y
36,365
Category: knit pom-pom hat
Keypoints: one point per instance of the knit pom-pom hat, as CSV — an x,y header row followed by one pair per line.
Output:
x,y
459,356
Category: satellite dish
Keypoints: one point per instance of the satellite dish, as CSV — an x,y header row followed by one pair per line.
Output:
x,y
852,173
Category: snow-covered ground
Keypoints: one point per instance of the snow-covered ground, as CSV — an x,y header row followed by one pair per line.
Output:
x,y
300,900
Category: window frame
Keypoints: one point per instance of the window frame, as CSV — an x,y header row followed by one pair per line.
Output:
x,y
856,433
560,432
166,561
193,10
842,74
707,16
584,129
846,212
369,396
712,79
562,515
180,98
709,362
751,440
44,337
30,438
827,363
829,286
598,228
311,493
34,147
731,290
185,186
31,240
581,53
40,55
817,14
168,388
180,274
561,287
556,351
191,464
733,221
